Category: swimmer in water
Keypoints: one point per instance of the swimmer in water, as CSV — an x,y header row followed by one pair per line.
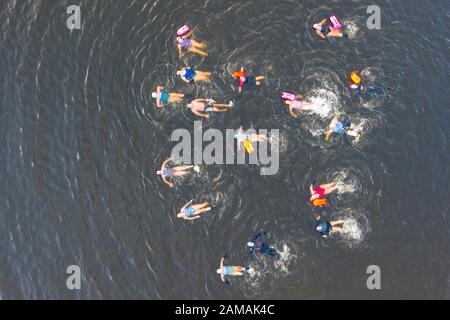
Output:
x,y
321,191
191,75
257,246
187,42
325,29
357,84
163,97
201,107
176,171
296,105
247,139
246,80
342,127
326,228
193,212
231,271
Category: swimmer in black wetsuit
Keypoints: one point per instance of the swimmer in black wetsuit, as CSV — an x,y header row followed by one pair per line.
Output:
x,y
257,245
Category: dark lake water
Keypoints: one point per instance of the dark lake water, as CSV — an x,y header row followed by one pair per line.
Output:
x,y
82,139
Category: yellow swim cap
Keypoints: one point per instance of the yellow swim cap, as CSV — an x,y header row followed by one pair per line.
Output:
x,y
355,78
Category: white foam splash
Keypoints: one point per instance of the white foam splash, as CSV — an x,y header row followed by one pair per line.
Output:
x,y
351,28
284,260
345,185
326,102
352,230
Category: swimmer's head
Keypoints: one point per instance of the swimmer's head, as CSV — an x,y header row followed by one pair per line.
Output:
x,y
319,228
250,244
317,216
154,95
219,271
188,106
159,172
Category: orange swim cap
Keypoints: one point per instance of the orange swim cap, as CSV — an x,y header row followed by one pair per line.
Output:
x,y
238,74
355,78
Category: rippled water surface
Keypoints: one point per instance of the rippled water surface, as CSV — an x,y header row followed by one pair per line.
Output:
x,y
82,138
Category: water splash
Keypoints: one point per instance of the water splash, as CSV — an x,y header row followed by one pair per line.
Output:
x,y
344,183
326,102
352,230
284,260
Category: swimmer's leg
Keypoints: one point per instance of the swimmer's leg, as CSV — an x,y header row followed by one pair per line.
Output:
x,y
179,173
201,77
182,168
221,107
197,44
308,106
335,33
201,205
178,95
204,73
352,133
202,210
175,98
338,229
198,51
337,222
328,185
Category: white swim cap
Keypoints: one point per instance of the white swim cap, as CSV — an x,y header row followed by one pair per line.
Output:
x,y
219,271
188,106
154,95
250,244
317,26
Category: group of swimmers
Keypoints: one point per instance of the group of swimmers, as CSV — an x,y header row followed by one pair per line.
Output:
x,y
202,107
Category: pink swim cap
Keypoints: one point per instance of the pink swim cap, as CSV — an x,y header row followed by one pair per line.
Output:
x,y
183,30
288,96
335,22
159,172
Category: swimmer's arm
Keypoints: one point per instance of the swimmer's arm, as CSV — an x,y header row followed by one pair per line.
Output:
x,y
165,162
320,35
180,51
222,276
291,111
311,189
185,80
167,182
158,94
328,136
193,218
299,96
323,22
200,114
185,206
